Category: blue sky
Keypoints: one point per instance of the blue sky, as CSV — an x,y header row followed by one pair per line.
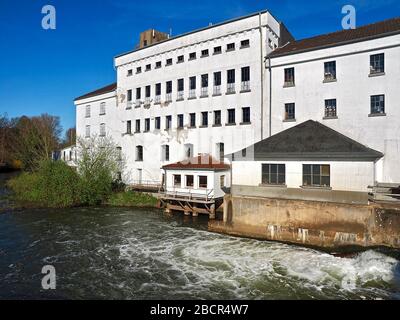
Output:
x,y
43,71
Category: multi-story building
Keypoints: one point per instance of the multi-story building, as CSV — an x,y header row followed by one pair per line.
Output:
x,y
201,92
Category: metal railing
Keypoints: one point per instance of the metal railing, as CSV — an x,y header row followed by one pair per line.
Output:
x,y
157,99
231,88
204,91
217,90
246,86
180,95
168,97
191,194
192,93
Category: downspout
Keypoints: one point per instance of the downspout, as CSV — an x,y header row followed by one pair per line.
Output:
x,y
270,96
262,76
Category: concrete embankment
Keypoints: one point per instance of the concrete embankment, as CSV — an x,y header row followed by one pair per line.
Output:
x,y
315,223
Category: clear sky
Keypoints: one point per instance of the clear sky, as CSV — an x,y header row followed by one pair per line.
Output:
x,y
44,70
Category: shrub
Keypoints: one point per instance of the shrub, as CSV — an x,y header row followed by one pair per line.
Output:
x,y
132,199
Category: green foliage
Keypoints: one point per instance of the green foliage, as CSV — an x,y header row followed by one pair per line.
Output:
x,y
25,187
132,199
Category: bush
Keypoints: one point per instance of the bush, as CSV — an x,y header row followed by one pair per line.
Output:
x,y
132,199
25,187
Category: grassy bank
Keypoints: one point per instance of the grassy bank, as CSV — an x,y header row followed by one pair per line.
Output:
x,y
132,199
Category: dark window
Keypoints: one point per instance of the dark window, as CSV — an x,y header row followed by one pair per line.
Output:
x,y
246,115
130,72
129,95
148,67
139,153
181,85
377,63
158,64
137,128
316,175
138,69
230,47
244,153
148,91
378,104
231,116
147,125
217,50
166,153
290,111
181,59
221,149
168,122
330,70
217,118
217,78
330,108
204,53
192,56
177,180
169,87
203,182
204,81
245,74
231,76
274,174
129,127
245,43
190,181
204,119
158,123
192,120
192,81
138,93
289,77
169,62
158,89
180,121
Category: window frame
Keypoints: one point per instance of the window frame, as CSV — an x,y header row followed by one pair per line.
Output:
x,y
274,173
314,173
289,73
288,113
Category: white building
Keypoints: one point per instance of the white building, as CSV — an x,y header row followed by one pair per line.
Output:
x,y
226,87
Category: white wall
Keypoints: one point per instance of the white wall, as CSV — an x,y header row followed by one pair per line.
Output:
x,y
345,176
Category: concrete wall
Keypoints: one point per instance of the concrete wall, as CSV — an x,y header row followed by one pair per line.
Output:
x,y
346,176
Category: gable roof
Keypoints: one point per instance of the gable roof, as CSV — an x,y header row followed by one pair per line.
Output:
x,y
363,33
201,162
310,140
106,89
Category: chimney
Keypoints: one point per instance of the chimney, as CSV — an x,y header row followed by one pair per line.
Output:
x,y
150,37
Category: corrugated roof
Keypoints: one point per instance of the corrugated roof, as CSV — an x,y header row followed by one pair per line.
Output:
x,y
201,162
310,140
106,89
375,30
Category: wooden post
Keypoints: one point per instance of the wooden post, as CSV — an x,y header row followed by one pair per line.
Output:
x,y
212,212
195,213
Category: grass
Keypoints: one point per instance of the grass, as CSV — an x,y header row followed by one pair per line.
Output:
x,y
132,199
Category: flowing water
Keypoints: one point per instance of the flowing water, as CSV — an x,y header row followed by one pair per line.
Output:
x,y
114,253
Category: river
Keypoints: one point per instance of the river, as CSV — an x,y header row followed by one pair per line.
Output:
x,y
115,253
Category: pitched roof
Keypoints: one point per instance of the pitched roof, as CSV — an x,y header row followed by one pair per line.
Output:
x,y
201,162
310,140
106,89
375,30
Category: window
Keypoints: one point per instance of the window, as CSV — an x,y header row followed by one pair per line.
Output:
x,y
188,150
137,127
180,121
181,88
244,153
330,71
148,67
192,56
330,108
87,132
217,83
378,104
274,174
203,182
130,72
230,47
231,81
129,95
129,127
217,118
290,111
165,153
377,64
168,88
246,79
204,53
102,130
217,50
157,124
245,43
221,152
204,85
192,87
145,43
139,70
139,153
102,108
138,93
192,120
222,181
87,112
158,64
147,125
204,119
190,181
168,122
231,116
181,59
148,91
119,153
316,175
177,180
158,93
289,77
246,115
168,62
